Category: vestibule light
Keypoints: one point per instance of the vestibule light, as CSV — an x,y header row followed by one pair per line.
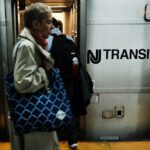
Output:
x,y
58,6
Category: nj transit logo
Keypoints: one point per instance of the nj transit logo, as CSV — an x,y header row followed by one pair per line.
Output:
x,y
95,57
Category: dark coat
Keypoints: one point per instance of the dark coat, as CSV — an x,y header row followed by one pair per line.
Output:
x,y
82,93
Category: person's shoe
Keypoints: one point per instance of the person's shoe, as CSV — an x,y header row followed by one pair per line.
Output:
x,y
73,146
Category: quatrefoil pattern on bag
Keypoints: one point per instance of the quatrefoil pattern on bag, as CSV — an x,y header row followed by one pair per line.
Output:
x,y
44,110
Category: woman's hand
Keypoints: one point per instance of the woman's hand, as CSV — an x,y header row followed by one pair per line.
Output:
x,y
47,64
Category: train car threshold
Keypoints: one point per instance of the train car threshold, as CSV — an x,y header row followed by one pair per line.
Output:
x,y
139,145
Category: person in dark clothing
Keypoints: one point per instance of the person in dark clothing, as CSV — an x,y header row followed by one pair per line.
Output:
x,y
66,58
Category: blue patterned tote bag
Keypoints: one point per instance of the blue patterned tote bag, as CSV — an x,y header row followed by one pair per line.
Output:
x,y
45,110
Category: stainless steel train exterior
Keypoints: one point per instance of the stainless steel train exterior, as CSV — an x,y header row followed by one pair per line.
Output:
x,y
118,35
114,41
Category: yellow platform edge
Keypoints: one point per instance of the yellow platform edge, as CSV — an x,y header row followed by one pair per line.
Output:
x,y
136,145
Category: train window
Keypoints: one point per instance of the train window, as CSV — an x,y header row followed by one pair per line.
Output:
x,y
147,12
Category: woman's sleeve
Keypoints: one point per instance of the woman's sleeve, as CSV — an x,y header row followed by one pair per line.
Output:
x,y
28,75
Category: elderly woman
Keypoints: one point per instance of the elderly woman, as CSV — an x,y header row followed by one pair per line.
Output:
x,y
31,63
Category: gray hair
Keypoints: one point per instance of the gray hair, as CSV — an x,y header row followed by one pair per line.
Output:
x,y
36,11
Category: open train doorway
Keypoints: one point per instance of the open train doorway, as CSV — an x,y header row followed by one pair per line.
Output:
x,y
71,15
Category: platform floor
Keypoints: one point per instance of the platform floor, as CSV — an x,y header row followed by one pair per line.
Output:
x,y
99,146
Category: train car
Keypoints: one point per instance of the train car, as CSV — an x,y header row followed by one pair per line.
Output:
x,y
114,42
117,48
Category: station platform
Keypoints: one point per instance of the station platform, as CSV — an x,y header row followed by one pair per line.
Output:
x,y
138,145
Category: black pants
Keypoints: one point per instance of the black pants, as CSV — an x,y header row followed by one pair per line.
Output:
x,y
73,129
